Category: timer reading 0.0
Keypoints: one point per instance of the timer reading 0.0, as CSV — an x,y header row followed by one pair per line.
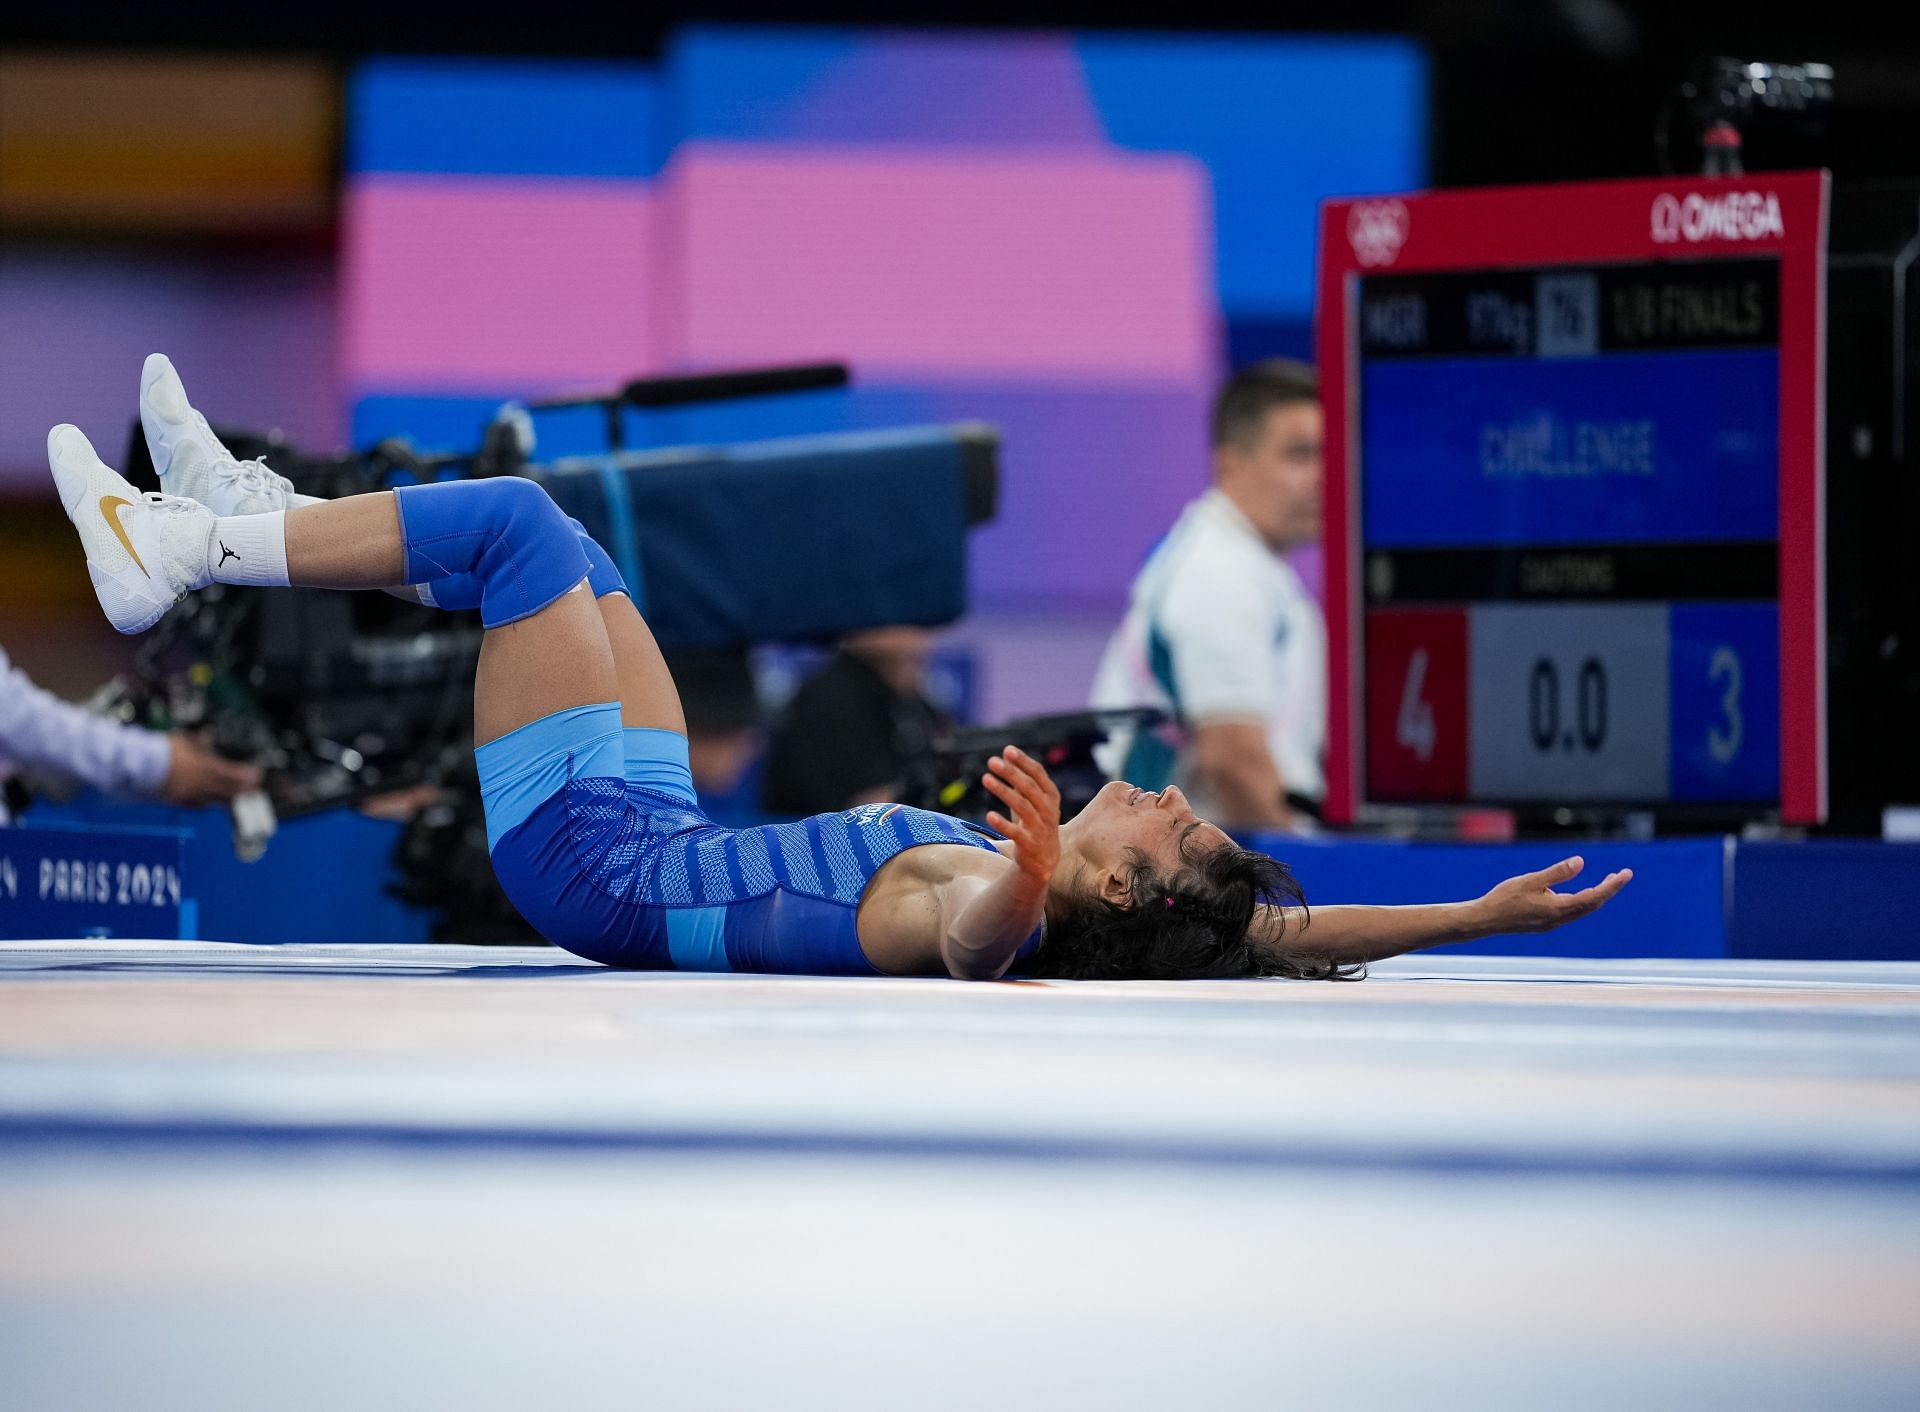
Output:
x,y
1568,701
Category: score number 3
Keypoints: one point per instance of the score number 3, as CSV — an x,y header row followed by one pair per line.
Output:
x,y
1723,739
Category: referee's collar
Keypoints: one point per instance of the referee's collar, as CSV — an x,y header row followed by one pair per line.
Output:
x,y
1218,502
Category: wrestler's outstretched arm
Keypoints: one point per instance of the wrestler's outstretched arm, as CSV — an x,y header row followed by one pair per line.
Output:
x,y
984,922
1349,935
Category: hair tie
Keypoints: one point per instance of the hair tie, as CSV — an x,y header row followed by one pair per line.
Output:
x,y
1169,902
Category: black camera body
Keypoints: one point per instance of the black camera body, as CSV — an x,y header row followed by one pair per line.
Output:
x,y
1786,105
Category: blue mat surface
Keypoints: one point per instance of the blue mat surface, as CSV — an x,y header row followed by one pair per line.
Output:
x,y
324,1176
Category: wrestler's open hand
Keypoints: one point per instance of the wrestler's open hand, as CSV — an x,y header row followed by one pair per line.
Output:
x,y
1528,903
1031,806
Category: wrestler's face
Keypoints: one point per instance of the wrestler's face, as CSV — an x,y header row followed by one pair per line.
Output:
x,y
1099,844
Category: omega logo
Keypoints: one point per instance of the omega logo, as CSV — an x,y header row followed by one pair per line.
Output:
x,y
1738,215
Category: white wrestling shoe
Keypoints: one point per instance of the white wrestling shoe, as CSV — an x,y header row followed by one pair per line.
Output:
x,y
144,552
190,459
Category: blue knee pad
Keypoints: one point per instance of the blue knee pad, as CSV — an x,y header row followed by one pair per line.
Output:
x,y
504,534
601,572
461,591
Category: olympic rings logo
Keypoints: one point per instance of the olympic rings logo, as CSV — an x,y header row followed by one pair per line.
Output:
x,y
1376,230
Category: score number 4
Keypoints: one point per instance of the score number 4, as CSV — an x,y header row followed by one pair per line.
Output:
x,y
1414,727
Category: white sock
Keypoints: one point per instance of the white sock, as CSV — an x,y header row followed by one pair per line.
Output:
x,y
249,549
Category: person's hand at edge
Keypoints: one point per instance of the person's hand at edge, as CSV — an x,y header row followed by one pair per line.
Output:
x,y
196,776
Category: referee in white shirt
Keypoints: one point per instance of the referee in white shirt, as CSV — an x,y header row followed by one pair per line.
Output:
x,y
1221,633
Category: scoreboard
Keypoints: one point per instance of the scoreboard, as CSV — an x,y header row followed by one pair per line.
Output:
x,y
1574,495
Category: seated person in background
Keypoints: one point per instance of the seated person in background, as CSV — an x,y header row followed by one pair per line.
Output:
x,y
1220,632
851,729
40,731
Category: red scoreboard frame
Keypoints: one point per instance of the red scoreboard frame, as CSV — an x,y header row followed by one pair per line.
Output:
x,y
1783,215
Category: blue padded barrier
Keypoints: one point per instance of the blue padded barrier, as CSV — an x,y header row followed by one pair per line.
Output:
x,y
323,877
123,881
1813,900
1835,899
1673,907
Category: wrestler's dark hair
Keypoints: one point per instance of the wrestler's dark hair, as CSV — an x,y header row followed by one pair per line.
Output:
x,y
1240,409
1190,925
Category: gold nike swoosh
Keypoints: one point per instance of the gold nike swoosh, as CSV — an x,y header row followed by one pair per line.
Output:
x,y
107,502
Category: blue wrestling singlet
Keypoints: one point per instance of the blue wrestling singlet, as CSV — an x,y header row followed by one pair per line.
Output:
x,y
598,839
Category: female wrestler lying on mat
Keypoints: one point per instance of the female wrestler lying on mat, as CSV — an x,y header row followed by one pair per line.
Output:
x,y
591,817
